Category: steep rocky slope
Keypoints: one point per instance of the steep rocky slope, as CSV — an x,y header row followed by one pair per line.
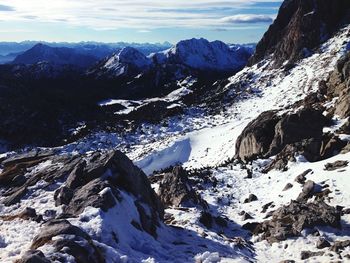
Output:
x,y
300,27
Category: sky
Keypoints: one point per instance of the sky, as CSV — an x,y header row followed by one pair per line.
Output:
x,y
235,21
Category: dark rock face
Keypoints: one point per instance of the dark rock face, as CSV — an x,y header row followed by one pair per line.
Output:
x,y
90,180
175,190
270,134
288,221
301,25
337,85
256,138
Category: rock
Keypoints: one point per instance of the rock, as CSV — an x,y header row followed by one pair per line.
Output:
x,y
63,196
345,128
206,219
322,243
266,206
288,221
301,178
331,147
288,261
246,216
90,180
287,187
308,191
74,241
252,227
296,30
309,254
271,134
92,194
340,245
336,165
33,256
27,214
256,138
175,190
292,128
250,199
54,228
346,149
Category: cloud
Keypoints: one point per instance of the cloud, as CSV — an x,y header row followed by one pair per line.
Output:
x,y
248,19
6,8
141,14
144,31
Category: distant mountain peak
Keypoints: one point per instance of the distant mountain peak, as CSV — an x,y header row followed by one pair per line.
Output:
x,y
54,55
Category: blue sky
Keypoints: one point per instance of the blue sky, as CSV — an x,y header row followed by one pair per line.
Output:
x,y
236,21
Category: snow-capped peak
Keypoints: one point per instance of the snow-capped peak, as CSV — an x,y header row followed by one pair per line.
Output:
x,y
200,54
128,55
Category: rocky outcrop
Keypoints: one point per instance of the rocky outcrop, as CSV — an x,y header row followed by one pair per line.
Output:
x,y
270,133
301,26
337,85
102,180
256,138
175,190
288,221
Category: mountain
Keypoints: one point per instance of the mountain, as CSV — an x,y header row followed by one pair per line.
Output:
x,y
253,167
301,26
201,54
95,49
128,62
188,57
56,56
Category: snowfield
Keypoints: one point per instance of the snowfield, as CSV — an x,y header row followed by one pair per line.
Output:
x,y
199,140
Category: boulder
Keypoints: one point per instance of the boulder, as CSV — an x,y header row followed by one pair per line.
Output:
x,y
72,241
336,165
256,138
309,254
175,190
271,134
301,178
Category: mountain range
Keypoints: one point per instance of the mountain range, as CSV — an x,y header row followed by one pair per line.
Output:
x,y
202,152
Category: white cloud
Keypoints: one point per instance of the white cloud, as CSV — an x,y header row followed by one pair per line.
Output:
x,y
138,14
248,18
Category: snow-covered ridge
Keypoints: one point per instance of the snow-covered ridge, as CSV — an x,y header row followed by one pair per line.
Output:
x,y
201,54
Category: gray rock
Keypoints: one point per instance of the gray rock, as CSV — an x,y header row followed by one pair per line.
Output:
x,y
33,256
175,190
309,254
288,221
287,187
54,228
251,198
336,165
322,243
301,178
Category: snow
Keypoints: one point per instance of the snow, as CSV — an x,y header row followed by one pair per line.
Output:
x,y
199,140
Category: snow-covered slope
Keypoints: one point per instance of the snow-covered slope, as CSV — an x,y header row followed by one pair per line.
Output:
x,y
127,61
